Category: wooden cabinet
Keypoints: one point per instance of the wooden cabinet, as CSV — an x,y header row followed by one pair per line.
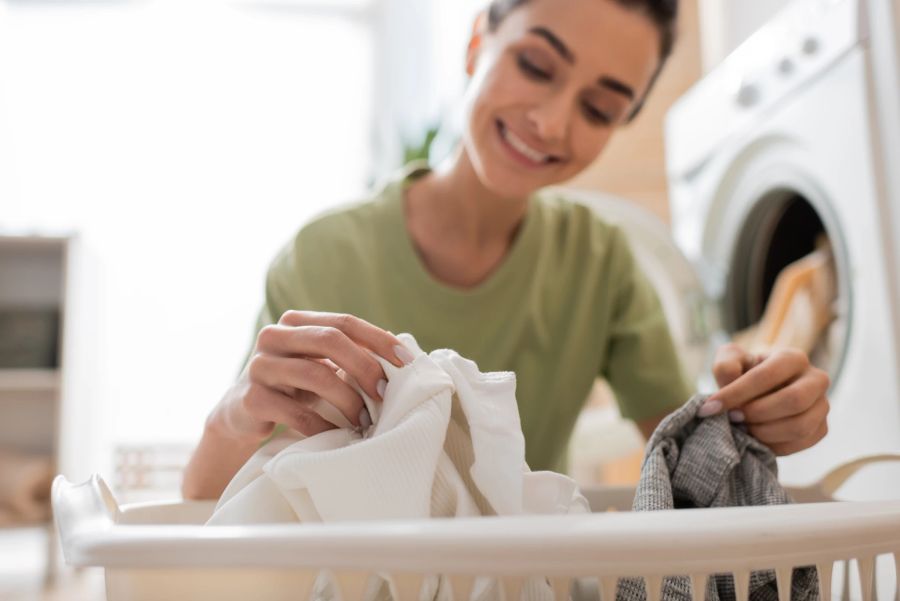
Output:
x,y
33,294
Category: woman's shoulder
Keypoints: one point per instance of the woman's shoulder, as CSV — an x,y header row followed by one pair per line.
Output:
x,y
355,221
348,220
571,221
335,237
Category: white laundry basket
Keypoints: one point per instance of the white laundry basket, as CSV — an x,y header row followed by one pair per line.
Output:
x,y
163,551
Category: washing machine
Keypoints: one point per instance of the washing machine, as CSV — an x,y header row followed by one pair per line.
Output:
x,y
796,137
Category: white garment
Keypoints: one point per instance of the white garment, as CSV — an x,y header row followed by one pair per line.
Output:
x,y
446,442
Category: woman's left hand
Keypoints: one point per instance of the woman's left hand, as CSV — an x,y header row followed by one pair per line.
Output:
x,y
780,396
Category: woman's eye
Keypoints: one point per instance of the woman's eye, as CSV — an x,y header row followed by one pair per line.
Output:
x,y
595,115
531,69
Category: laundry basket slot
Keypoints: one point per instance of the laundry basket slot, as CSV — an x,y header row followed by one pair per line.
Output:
x,y
297,584
853,581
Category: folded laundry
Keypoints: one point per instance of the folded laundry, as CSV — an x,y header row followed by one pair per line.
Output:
x,y
445,442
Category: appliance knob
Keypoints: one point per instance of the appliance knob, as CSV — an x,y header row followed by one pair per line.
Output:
x,y
747,95
810,46
785,66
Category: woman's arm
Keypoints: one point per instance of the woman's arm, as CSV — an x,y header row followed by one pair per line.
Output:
x,y
647,426
214,463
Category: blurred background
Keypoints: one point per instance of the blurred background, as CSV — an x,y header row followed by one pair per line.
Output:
x,y
155,154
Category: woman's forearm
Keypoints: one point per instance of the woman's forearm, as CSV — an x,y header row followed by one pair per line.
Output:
x,y
214,463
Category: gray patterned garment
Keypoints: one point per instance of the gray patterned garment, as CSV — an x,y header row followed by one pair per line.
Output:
x,y
697,462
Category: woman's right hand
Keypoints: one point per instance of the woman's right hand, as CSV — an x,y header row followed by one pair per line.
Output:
x,y
295,363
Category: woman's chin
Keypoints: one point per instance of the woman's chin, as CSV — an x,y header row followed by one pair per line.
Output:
x,y
503,186
507,183
503,176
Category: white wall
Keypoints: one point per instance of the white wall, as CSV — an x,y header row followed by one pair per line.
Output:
x,y
724,24
452,27
424,44
185,141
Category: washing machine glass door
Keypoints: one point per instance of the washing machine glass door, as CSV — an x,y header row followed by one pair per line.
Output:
x,y
776,242
693,318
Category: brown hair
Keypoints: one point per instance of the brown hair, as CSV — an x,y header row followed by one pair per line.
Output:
x,y
663,13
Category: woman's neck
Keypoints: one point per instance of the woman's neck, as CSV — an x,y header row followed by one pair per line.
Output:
x,y
452,202
461,229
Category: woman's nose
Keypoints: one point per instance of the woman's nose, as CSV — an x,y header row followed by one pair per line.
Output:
x,y
550,119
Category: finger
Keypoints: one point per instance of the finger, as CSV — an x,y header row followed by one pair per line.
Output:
x,y
772,373
759,358
325,361
789,448
382,342
272,405
794,399
326,343
794,428
731,361
284,374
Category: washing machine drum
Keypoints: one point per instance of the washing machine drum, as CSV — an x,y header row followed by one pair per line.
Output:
x,y
691,317
773,238
783,285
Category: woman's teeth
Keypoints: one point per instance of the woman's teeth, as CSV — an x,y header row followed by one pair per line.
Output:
x,y
521,146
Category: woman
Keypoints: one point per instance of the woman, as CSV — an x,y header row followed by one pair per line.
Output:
x,y
469,257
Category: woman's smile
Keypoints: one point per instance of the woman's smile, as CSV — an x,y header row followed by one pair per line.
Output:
x,y
521,151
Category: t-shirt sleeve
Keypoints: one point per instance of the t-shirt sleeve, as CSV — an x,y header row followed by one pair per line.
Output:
x,y
642,364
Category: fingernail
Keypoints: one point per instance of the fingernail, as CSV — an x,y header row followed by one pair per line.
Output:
x,y
709,408
403,354
365,420
382,384
736,415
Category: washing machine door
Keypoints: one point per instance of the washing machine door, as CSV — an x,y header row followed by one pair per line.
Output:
x,y
692,317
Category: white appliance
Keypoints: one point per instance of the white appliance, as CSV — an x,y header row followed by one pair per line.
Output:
x,y
797,134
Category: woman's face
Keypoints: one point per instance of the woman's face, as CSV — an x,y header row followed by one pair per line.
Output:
x,y
548,88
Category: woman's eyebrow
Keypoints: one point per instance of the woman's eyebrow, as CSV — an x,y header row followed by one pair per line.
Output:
x,y
616,86
554,41
606,82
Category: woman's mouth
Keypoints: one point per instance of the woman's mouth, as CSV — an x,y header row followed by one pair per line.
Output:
x,y
521,151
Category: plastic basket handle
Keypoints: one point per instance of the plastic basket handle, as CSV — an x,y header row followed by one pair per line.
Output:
x,y
830,483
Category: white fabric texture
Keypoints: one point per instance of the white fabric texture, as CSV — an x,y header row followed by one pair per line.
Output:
x,y
445,442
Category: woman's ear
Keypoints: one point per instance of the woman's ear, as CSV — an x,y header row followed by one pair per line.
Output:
x,y
475,42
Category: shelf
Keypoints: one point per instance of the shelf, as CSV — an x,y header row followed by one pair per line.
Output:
x,y
25,525
29,380
24,240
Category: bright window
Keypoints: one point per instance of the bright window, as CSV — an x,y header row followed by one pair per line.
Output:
x,y
185,141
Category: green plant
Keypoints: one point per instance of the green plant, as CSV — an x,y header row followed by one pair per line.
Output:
x,y
420,150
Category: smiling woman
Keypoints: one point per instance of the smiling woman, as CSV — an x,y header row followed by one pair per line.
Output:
x,y
472,255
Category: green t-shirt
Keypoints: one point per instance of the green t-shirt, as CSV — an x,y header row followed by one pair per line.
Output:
x,y
566,305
